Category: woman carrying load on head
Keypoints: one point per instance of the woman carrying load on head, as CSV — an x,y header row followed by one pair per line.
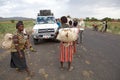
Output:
x,y
18,59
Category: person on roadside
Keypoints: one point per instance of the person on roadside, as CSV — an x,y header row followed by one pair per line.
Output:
x,y
75,24
70,24
81,26
95,26
106,26
58,23
66,48
103,26
18,59
27,37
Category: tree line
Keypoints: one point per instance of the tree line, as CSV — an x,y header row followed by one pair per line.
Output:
x,y
104,19
95,19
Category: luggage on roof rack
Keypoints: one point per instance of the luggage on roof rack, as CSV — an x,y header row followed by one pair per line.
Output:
x,y
45,13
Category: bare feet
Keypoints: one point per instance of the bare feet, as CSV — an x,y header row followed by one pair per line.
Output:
x,y
71,68
61,68
30,74
28,78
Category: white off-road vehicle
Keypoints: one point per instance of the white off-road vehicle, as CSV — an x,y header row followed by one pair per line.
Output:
x,y
44,28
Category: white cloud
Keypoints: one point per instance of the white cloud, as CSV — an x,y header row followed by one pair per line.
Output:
x,y
101,12
76,8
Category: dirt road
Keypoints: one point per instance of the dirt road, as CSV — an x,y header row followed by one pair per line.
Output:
x,y
96,59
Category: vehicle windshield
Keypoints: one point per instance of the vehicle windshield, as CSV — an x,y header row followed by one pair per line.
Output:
x,y
45,20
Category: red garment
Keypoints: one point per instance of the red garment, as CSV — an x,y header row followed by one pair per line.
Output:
x,y
74,47
66,52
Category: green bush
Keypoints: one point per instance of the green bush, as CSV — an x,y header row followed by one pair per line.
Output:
x,y
12,21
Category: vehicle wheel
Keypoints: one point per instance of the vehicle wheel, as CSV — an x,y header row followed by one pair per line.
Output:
x,y
35,41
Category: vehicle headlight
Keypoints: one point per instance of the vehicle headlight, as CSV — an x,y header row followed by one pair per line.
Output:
x,y
35,31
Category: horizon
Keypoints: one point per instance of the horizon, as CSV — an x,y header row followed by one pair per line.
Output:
x,y
55,17
76,9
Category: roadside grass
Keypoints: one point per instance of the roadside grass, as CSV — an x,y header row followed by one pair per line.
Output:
x,y
113,27
9,27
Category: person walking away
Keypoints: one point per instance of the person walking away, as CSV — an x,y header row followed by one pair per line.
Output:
x,y
81,26
18,59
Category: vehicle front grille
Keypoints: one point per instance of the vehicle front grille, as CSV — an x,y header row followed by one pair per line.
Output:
x,y
45,30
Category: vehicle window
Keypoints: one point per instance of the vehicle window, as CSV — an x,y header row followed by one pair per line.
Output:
x,y
45,20
50,19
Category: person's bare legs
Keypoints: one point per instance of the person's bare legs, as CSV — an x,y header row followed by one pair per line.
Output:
x,y
61,65
70,68
29,72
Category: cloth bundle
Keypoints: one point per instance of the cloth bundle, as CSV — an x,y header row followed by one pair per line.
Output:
x,y
67,34
7,41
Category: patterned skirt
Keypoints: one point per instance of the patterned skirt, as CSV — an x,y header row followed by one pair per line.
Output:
x,y
66,52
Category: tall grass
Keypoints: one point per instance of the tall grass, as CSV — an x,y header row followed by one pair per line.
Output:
x,y
113,27
6,27
9,27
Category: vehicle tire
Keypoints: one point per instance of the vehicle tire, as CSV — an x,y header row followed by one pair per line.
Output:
x,y
35,41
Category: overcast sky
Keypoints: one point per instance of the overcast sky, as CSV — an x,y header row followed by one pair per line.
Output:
x,y
74,8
